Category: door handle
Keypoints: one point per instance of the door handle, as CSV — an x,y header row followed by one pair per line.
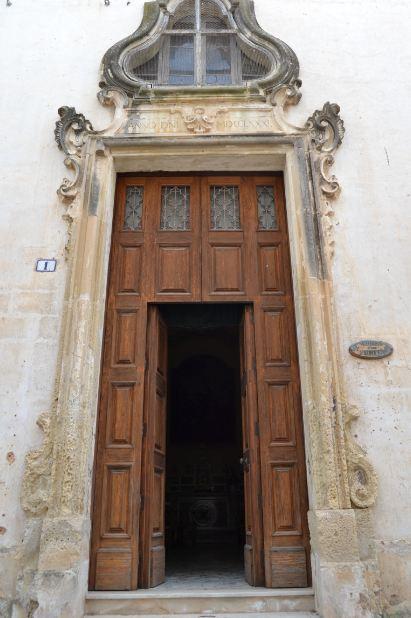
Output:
x,y
244,461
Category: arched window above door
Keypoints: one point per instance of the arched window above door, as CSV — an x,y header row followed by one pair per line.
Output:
x,y
200,46
207,44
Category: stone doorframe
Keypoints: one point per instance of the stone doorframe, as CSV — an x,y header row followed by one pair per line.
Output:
x,y
57,485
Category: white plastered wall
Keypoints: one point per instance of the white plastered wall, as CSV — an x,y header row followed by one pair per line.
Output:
x,y
357,54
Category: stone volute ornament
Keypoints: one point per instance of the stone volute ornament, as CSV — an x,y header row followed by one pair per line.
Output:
x,y
361,474
70,133
35,487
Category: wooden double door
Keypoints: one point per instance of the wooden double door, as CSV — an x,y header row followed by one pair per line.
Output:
x,y
179,239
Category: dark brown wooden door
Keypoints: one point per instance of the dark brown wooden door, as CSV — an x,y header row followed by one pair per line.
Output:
x,y
198,239
253,548
152,566
116,508
284,488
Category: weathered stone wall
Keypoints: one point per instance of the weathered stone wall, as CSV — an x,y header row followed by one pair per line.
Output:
x,y
356,54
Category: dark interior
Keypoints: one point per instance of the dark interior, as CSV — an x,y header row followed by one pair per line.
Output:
x,y
204,486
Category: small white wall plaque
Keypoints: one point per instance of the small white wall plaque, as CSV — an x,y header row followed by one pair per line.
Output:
x,y
46,266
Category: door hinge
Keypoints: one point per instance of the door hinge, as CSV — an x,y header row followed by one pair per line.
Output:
x,y
142,501
144,430
254,365
260,501
257,428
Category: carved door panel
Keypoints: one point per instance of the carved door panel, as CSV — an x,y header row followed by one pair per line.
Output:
x,y
114,548
175,265
152,568
284,489
253,548
226,259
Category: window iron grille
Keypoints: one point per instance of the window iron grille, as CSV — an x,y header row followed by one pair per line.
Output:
x,y
225,208
267,215
133,214
175,208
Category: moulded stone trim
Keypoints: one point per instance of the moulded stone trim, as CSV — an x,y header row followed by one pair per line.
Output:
x,y
155,18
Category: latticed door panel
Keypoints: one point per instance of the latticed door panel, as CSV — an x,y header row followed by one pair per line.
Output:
x,y
175,266
227,265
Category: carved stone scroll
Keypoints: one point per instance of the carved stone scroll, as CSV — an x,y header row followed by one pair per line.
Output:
x,y
326,131
36,480
326,128
361,474
70,133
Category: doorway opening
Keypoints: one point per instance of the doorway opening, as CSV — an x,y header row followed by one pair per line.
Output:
x,y
204,503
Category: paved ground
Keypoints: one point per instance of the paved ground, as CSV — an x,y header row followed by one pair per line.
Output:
x,y
204,568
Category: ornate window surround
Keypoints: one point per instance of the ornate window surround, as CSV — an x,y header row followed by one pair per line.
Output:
x,y
185,133
156,16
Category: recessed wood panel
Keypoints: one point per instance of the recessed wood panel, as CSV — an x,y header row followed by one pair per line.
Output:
x,y
285,498
125,327
129,269
158,501
120,415
174,270
157,563
117,500
270,266
227,269
276,340
160,425
281,413
113,569
288,567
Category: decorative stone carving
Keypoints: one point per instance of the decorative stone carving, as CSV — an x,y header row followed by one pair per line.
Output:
x,y
36,480
329,184
326,128
361,474
284,67
198,121
70,133
326,131
289,94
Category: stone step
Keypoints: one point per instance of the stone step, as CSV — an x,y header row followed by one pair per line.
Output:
x,y
203,603
266,615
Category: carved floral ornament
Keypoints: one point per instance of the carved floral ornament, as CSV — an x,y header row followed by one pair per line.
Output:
x,y
200,112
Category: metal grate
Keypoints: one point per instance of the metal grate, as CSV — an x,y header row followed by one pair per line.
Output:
x,y
175,208
218,59
225,207
201,46
134,209
148,71
183,17
181,60
254,65
211,16
267,215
